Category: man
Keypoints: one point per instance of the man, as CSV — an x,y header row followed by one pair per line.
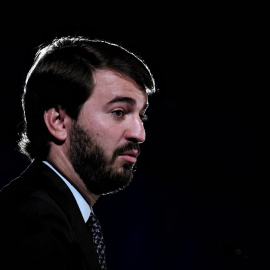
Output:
x,y
84,104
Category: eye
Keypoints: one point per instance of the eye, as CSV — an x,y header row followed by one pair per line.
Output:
x,y
118,113
144,117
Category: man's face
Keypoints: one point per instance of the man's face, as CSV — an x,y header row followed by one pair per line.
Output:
x,y
104,142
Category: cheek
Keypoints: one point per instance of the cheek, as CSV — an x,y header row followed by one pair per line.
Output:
x,y
102,129
107,134
109,139
104,136
96,127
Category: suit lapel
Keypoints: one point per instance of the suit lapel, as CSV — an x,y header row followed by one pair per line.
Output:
x,y
65,199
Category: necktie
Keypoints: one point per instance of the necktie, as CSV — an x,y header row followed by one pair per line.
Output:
x,y
98,239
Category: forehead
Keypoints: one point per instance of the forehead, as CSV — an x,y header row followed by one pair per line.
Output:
x,y
110,84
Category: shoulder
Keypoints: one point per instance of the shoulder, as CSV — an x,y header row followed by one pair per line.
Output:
x,y
35,192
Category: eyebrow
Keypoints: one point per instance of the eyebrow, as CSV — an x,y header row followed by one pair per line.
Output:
x,y
128,100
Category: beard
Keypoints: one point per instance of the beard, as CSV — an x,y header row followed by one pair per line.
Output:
x,y
92,165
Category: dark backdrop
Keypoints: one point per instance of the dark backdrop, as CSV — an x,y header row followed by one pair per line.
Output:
x,y
203,172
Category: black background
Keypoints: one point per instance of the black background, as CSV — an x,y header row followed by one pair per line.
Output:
x,y
203,173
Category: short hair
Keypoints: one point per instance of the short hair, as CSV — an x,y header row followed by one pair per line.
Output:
x,y
62,75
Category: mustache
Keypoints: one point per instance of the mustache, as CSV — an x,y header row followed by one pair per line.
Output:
x,y
127,147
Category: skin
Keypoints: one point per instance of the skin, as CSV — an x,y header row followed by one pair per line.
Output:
x,y
112,116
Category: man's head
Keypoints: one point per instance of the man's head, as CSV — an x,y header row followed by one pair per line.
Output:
x,y
103,89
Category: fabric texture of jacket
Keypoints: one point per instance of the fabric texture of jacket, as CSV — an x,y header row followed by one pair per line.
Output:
x,y
41,225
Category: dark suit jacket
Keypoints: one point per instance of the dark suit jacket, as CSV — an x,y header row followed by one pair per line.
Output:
x,y
41,226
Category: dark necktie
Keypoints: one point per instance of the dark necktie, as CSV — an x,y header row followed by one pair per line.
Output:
x,y
98,239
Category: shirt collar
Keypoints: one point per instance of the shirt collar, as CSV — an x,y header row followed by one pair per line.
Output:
x,y
83,205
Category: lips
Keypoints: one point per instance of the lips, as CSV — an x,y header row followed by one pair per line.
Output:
x,y
133,153
130,156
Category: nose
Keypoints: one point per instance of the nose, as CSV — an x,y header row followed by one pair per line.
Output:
x,y
135,131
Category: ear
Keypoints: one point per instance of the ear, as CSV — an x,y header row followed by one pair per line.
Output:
x,y
57,122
